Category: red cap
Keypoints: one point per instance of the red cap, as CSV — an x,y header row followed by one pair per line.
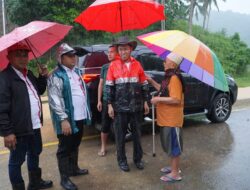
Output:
x,y
18,46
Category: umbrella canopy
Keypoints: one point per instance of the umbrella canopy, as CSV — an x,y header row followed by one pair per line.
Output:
x,y
119,15
199,61
38,35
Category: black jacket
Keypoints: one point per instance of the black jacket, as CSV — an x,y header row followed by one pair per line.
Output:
x,y
127,97
15,114
127,90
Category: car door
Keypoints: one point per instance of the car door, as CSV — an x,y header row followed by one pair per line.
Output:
x,y
196,94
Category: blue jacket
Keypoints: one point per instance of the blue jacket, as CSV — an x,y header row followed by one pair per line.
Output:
x,y
60,99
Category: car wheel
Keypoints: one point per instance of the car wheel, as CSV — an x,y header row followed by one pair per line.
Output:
x,y
221,108
128,136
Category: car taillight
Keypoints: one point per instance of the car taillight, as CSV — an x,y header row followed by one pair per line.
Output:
x,y
89,77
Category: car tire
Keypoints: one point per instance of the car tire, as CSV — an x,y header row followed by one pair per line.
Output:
x,y
220,109
128,136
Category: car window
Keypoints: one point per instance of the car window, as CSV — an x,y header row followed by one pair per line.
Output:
x,y
81,61
95,59
92,62
151,62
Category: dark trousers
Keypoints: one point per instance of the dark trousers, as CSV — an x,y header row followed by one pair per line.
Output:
x,y
106,120
69,144
122,119
30,145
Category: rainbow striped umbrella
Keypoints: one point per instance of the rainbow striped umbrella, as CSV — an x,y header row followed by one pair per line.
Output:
x,y
199,61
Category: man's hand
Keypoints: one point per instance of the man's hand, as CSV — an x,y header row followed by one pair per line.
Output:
x,y
155,100
111,111
66,128
149,79
10,142
146,108
99,106
43,70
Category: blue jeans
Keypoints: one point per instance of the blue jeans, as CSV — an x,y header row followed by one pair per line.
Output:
x,y
30,145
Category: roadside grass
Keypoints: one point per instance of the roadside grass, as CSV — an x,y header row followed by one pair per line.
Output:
x,y
243,80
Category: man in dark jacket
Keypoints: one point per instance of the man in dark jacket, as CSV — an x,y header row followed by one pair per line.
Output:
x,y
127,91
21,117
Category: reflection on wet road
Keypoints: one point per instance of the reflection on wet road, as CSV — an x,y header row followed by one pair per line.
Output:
x,y
216,157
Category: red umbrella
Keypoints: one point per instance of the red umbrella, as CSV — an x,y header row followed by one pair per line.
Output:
x,y
38,35
119,15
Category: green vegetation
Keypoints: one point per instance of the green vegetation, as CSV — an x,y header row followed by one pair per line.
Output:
x,y
243,80
231,51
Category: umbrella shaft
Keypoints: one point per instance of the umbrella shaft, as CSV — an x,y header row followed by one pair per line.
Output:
x,y
153,127
120,7
3,15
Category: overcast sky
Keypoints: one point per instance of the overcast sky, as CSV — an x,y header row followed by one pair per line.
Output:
x,y
241,6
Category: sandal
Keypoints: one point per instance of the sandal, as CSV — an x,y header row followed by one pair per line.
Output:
x,y
102,153
167,178
167,170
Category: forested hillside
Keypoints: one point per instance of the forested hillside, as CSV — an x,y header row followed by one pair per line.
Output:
x,y
229,22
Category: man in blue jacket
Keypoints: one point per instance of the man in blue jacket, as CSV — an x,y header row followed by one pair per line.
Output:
x,y
21,117
69,105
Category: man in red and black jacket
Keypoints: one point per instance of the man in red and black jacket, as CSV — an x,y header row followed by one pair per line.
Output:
x,y
127,95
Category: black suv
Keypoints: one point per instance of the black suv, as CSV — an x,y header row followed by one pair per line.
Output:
x,y
199,97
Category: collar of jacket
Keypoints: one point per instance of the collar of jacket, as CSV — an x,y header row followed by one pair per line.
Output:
x,y
76,69
13,74
131,60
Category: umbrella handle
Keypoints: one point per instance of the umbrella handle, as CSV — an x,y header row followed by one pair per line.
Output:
x,y
39,66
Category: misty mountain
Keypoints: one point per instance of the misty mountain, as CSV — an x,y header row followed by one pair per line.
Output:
x,y
230,22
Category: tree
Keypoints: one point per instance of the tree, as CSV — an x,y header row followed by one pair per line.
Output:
x,y
194,7
175,9
236,37
206,11
24,11
21,12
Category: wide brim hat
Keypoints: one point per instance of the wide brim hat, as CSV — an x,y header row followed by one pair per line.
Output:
x,y
124,40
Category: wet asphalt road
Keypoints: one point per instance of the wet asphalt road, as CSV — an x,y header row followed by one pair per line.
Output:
x,y
216,157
